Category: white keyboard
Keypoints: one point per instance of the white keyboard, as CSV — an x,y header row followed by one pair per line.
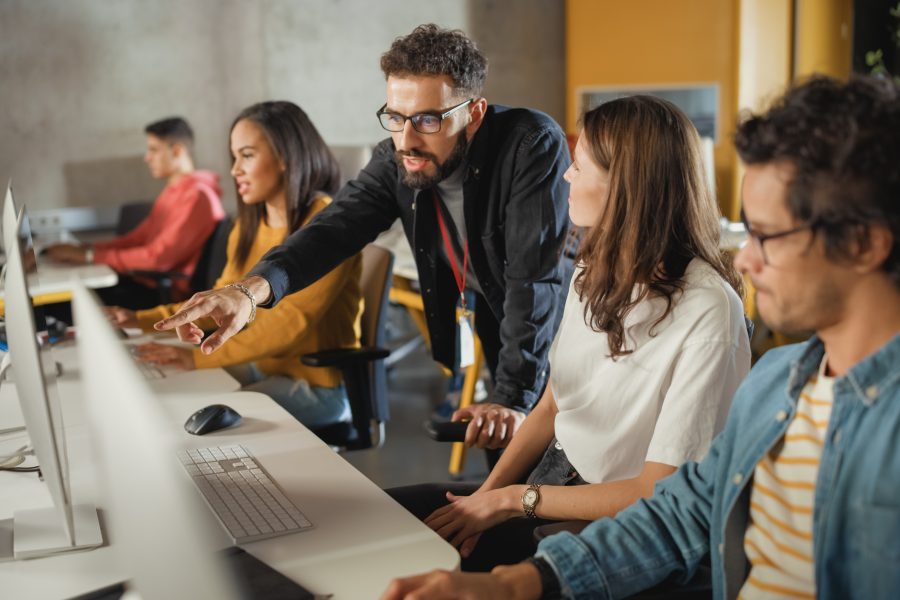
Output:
x,y
241,493
149,371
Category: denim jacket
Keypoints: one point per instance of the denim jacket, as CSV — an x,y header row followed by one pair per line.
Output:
x,y
516,213
704,507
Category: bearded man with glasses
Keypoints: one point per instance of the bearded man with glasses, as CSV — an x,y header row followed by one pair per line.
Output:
x,y
480,193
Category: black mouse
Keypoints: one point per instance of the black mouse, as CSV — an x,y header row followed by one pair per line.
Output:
x,y
211,418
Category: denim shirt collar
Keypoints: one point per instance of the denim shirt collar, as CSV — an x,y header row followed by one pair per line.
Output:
x,y
868,378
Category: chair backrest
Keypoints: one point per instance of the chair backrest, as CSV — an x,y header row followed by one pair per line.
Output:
x,y
212,257
377,266
131,214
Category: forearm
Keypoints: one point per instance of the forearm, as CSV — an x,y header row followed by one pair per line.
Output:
x,y
526,447
521,581
259,287
587,502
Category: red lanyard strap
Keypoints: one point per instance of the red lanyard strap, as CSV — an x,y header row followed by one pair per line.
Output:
x,y
451,255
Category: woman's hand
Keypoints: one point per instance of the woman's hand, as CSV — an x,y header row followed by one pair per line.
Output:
x,y
123,318
164,354
462,521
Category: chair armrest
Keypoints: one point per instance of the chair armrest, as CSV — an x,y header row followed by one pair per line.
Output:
x,y
343,356
446,431
553,528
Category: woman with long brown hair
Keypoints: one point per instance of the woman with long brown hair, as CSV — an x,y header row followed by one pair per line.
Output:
x,y
283,173
651,347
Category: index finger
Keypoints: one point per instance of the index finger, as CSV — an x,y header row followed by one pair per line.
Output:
x,y
186,314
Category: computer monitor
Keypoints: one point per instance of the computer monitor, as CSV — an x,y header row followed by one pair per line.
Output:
x,y
64,526
163,535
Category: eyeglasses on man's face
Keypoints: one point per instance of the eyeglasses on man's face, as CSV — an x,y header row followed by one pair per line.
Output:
x,y
426,122
759,239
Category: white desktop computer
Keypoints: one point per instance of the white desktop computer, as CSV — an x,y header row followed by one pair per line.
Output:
x,y
63,526
164,537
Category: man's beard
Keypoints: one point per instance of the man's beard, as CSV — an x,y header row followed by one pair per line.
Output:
x,y
420,180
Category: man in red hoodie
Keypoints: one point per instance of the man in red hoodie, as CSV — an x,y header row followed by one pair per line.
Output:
x,y
172,236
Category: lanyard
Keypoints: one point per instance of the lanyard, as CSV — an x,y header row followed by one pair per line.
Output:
x,y
451,255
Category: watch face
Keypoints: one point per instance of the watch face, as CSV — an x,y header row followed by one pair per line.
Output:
x,y
530,497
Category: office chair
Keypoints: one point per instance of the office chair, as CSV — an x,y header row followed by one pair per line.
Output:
x,y
131,214
206,272
363,369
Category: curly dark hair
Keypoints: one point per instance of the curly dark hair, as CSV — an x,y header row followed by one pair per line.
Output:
x,y
431,50
843,141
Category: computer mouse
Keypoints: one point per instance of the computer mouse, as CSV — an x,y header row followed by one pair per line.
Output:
x,y
211,418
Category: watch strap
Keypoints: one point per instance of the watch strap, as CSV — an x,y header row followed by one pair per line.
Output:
x,y
550,587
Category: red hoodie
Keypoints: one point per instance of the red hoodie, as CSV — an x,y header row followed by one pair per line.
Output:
x,y
172,235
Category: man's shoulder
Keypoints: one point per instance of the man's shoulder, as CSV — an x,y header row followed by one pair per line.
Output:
x,y
520,115
502,117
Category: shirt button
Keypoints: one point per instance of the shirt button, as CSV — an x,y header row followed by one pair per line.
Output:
x,y
738,478
872,392
781,415
558,446
721,548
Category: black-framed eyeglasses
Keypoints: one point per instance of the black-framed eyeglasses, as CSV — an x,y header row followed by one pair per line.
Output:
x,y
760,239
426,122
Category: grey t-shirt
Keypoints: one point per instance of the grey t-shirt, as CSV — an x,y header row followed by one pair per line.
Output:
x,y
450,192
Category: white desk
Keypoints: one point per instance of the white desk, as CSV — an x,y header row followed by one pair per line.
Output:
x,y
361,539
54,280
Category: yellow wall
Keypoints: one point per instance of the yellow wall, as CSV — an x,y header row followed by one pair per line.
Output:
x,y
645,42
823,37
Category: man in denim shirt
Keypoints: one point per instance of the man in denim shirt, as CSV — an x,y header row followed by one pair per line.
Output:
x,y
821,200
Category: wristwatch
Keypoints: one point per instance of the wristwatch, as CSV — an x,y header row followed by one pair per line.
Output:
x,y
530,500
550,587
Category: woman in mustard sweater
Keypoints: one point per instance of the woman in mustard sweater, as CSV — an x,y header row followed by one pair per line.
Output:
x,y
283,172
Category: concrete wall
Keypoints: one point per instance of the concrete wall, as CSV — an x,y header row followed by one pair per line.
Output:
x,y
80,78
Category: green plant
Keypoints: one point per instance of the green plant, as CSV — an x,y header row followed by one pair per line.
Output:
x,y
875,58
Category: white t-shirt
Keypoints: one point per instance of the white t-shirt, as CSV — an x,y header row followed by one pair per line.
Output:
x,y
665,401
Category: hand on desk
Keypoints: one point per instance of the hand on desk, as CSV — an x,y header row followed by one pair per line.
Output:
x,y
462,521
166,355
123,318
229,307
491,425
67,253
515,582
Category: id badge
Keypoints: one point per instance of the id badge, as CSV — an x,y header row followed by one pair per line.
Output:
x,y
466,338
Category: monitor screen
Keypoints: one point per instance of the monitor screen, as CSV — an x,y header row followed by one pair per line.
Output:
x,y
35,382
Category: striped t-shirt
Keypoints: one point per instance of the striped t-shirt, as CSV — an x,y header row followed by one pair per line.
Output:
x,y
779,541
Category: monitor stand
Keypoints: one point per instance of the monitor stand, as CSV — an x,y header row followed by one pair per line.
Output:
x,y
38,532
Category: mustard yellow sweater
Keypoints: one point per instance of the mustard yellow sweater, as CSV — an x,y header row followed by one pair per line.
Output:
x,y
324,315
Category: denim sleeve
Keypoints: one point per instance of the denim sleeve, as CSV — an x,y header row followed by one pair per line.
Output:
x,y
361,210
536,226
654,539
